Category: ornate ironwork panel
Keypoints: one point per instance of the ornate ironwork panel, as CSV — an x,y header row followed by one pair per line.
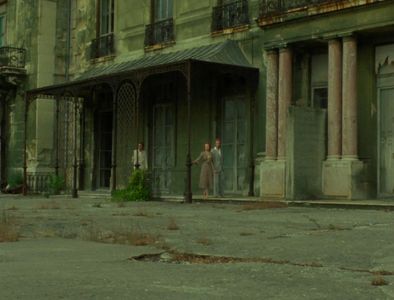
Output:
x,y
12,57
273,7
126,114
102,46
160,32
230,15
67,121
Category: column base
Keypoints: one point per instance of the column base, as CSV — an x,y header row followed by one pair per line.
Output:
x,y
273,179
344,179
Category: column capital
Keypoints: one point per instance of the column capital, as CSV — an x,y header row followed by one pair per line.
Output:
x,y
334,41
271,51
285,48
349,38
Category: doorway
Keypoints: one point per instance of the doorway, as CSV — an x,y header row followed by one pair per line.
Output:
x,y
386,140
163,147
234,144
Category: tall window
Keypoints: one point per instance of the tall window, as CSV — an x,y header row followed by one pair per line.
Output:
x,y
2,31
103,44
106,20
162,9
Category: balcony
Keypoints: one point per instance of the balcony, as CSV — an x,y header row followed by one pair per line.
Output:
x,y
230,16
12,60
159,34
276,11
102,46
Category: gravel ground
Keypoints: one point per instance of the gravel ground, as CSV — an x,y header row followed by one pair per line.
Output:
x,y
95,249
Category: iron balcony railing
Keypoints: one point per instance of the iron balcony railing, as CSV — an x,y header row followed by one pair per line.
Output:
x,y
160,32
102,46
12,57
274,7
230,15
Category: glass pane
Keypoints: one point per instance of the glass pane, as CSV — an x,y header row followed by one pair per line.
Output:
x,y
228,136
229,110
241,132
104,18
228,155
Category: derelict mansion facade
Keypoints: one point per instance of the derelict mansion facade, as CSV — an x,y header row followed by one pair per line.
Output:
x,y
300,93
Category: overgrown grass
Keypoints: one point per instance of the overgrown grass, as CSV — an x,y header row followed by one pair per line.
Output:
x,y
137,189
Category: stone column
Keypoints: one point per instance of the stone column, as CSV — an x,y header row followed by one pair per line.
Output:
x,y
334,99
349,98
271,125
284,97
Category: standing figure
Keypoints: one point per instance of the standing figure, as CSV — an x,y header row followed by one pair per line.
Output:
x,y
139,158
206,175
218,169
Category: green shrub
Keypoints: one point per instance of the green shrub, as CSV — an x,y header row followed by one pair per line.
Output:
x,y
138,188
55,184
15,179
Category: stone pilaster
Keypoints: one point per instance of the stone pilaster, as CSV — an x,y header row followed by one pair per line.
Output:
x,y
334,150
349,98
271,126
285,90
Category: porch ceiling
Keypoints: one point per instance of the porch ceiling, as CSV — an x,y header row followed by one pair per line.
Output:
x,y
227,53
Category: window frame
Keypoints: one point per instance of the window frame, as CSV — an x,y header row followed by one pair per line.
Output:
x,y
110,14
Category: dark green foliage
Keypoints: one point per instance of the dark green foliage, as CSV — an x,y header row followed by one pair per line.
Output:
x,y
138,188
55,184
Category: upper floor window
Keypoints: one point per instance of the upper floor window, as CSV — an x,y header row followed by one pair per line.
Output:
x,y
230,14
106,21
162,10
103,44
161,30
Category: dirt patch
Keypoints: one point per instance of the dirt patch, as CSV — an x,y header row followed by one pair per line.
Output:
x,y
190,258
8,230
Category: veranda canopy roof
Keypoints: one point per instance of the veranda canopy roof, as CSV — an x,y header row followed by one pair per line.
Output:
x,y
225,53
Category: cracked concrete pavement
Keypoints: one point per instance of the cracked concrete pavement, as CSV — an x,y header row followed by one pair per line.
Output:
x,y
68,250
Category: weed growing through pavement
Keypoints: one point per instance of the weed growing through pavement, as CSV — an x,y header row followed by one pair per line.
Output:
x,y
244,233
8,230
263,205
172,225
49,205
204,241
12,208
142,213
135,237
378,281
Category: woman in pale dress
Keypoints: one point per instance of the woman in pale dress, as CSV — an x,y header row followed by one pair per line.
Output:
x,y
206,175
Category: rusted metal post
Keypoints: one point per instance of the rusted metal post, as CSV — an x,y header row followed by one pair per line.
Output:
x,y
75,164
114,135
251,130
27,100
57,136
188,193
137,123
